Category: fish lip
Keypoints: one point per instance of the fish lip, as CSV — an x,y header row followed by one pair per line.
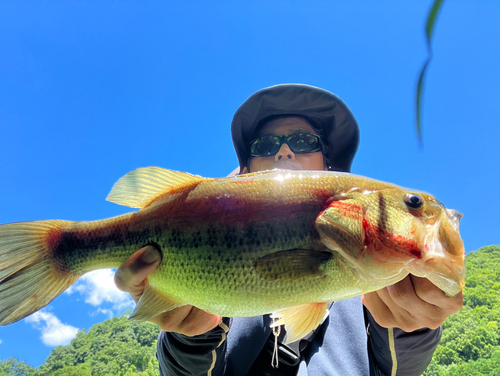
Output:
x,y
454,216
447,273
443,262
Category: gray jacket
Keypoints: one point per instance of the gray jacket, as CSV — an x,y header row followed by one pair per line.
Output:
x,y
349,342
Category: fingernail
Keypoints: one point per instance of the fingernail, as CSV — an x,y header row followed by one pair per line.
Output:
x,y
151,255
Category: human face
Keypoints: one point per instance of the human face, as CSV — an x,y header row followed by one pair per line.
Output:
x,y
285,158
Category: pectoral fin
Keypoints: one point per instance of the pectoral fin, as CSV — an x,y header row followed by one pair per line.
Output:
x,y
301,320
341,227
151,304
292,264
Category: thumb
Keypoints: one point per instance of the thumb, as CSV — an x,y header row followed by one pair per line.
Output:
x,y
132,274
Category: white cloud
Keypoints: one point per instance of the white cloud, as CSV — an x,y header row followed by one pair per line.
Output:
x,y
0,341
54,332
98,287
106,312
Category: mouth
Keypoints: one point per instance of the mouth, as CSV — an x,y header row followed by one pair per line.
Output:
x,y
287,166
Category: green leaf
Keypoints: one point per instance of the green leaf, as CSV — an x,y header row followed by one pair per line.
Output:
x,y
431,19
429,29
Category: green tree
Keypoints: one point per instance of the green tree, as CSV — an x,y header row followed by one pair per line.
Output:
x,y
115,347
470,344
12,367
79,370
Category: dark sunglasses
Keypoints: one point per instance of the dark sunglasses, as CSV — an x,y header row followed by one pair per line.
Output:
x,y
299,143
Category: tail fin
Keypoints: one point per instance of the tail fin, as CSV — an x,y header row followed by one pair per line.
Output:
x,y
29,276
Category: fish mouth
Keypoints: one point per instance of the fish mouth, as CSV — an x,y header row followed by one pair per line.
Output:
x,y
449,235
443,262
448,274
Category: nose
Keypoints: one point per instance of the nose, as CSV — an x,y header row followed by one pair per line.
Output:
x,y
284,153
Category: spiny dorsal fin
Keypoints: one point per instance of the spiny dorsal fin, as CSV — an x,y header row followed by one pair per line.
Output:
x,y
141,186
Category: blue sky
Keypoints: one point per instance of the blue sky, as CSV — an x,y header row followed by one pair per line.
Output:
x,y
90,90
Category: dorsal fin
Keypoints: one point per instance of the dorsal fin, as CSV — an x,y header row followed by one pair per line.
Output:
x,y
141,186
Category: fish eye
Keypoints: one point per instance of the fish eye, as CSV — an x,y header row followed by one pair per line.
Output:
x,y
414,201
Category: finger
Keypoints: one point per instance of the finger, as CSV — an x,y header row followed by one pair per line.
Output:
x,y
426,290
414,312
169,321
402,295
198,322
432,294
187,320
407,310
389,315
132,274
378,309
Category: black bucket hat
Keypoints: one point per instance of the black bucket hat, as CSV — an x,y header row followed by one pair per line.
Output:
x,y
325,111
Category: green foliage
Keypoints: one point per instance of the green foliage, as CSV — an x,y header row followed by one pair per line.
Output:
x,y
470,345
81,369
12,367
115,347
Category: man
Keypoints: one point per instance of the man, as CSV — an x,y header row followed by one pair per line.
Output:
x,y
393,331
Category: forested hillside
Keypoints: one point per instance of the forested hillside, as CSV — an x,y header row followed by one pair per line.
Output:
x,y
117,347
471,341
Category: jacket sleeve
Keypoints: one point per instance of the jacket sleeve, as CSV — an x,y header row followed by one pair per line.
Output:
x,y
179,355
395,352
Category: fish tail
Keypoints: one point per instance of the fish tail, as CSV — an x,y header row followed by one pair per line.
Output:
x,y
30,274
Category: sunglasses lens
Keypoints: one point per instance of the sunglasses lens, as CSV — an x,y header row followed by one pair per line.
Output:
x,y
300,143
304,143
265,146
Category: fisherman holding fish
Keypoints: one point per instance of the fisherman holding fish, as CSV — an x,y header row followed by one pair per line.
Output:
x,y
392,331
254,274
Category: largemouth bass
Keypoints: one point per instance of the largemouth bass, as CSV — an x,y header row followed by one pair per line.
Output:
x,y
282,242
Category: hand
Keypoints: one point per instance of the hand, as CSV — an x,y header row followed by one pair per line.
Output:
x,y
412,303
132,276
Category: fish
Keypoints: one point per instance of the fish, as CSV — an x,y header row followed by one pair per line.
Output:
x,y
280,242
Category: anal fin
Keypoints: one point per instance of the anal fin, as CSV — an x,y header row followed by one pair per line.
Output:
x,y
151,304
301,320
